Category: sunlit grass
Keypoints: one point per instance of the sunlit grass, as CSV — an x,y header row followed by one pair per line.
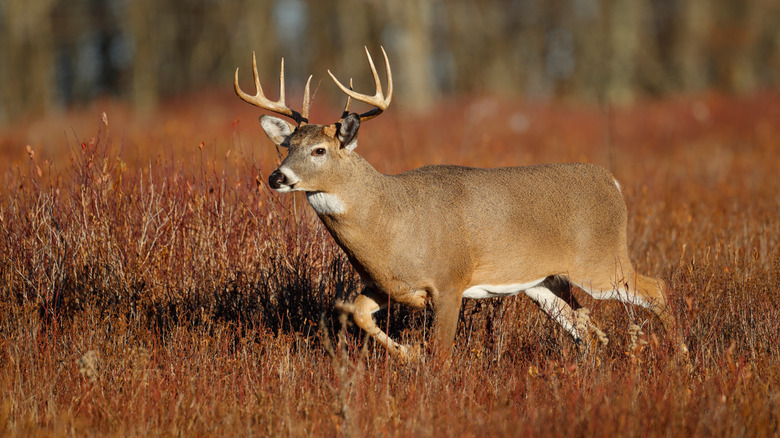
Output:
x,y
151,283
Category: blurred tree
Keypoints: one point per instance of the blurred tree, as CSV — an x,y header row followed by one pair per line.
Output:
x,y
411,23
151,34
27,77
67,52
249,26
695,25
744,34
590,79
625,37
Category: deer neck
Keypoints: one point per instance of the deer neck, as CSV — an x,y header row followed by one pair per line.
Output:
x,y
356,210
352,194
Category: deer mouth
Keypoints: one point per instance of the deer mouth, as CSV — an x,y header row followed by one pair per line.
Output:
x,y
283,180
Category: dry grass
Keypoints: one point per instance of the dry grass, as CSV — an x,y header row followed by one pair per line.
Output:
x,y
151,284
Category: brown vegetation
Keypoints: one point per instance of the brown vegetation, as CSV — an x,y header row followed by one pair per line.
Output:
x,y
150,283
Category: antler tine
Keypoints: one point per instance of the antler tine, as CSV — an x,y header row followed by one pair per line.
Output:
x,y
281,80
306,101
345,113
389,77
279,107
378,99
256,77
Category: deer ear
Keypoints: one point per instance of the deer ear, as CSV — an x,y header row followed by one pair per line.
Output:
x,y
278,130
348,129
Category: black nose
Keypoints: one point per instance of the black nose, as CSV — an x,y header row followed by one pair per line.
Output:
x,y
276,179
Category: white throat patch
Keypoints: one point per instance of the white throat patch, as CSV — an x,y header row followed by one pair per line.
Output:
x,y
325,203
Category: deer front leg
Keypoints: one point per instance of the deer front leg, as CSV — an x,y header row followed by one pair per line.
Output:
x,y
365,305
447,308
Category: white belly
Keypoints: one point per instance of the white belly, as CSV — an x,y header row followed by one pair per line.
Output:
x,y
498,290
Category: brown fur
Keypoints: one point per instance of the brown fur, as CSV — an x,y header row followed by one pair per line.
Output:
x,y
427,235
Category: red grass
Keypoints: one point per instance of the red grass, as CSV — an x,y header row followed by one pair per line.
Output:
x,y
209,299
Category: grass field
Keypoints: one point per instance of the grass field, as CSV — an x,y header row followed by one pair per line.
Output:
x,y
151,283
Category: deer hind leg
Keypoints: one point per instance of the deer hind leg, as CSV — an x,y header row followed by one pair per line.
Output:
x,y
554,297
635,289
654,291
583,323
365,305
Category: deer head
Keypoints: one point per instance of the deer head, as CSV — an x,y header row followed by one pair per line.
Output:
x,y
319,156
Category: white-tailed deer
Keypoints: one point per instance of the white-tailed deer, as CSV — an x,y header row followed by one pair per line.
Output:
x,y
438,234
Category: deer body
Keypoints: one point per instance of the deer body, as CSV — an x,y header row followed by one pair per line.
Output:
x,y
441,227
437,234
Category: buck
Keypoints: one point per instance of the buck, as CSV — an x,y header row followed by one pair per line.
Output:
x,y
435,235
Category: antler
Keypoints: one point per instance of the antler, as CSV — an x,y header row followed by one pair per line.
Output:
x,y
345,113
378,99
279,107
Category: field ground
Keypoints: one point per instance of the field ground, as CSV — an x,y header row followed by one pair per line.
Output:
x,y
150,283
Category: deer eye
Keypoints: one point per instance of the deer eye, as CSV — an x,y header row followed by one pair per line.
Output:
x,y
318,151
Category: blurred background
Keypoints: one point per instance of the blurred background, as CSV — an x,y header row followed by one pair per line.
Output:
x,y
59,54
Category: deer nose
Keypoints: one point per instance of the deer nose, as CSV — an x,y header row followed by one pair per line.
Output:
x,y
276,179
